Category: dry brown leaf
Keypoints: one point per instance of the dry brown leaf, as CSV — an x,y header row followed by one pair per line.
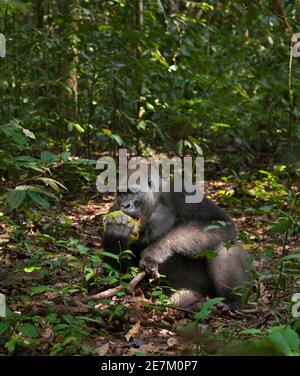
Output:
x,y
47,332
133,331
150,348
172,342
51,295
103,350
136,303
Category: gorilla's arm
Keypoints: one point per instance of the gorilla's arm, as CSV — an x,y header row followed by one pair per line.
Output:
x,y
188,240
117,235
199,227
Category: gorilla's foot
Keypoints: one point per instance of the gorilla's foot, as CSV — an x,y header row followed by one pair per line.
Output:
x,y
189,299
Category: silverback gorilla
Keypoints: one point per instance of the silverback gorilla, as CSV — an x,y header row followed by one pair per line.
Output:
x,y
172,237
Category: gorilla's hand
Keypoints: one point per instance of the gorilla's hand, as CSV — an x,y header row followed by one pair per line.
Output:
x,y
149,263
120,228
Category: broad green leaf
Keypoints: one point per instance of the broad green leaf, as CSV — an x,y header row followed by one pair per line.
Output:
x,y
111,255
47,157
12,343
42,190
285,339
206,308
250,331
82,249
117,138
39,200
40,289
28,330
291,256
24,158
4,326
211,302
280,226
15,198
65,156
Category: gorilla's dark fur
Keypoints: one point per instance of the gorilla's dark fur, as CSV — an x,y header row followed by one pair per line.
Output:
x,y
173,235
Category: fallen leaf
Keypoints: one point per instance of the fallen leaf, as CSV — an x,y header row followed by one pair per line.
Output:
x,y
102,350
133,330
172,342
150,348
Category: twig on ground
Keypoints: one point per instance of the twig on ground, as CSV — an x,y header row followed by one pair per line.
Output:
x,y
173,307
111,292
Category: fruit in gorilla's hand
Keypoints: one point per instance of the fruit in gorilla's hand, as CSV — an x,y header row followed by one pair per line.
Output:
x,y
118,222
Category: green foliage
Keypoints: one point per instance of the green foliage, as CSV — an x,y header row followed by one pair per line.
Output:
x,y
285,340
184,78
206,308
80,79
278,340
24,169
28,330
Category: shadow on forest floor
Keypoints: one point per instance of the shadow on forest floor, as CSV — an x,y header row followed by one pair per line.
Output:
x,y
53,262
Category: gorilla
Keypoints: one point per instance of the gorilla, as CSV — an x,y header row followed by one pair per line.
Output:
x,y
193,244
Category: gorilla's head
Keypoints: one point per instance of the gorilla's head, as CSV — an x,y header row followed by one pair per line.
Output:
x,y
138,203
140,192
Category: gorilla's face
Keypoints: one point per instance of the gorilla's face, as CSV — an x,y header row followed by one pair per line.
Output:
x,y
138,204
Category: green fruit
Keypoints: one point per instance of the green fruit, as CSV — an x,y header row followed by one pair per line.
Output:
x,y
135,224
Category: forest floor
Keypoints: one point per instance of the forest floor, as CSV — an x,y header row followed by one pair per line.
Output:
x,y
51,263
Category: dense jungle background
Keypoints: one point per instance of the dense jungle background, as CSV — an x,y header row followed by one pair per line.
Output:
x,y
81,79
